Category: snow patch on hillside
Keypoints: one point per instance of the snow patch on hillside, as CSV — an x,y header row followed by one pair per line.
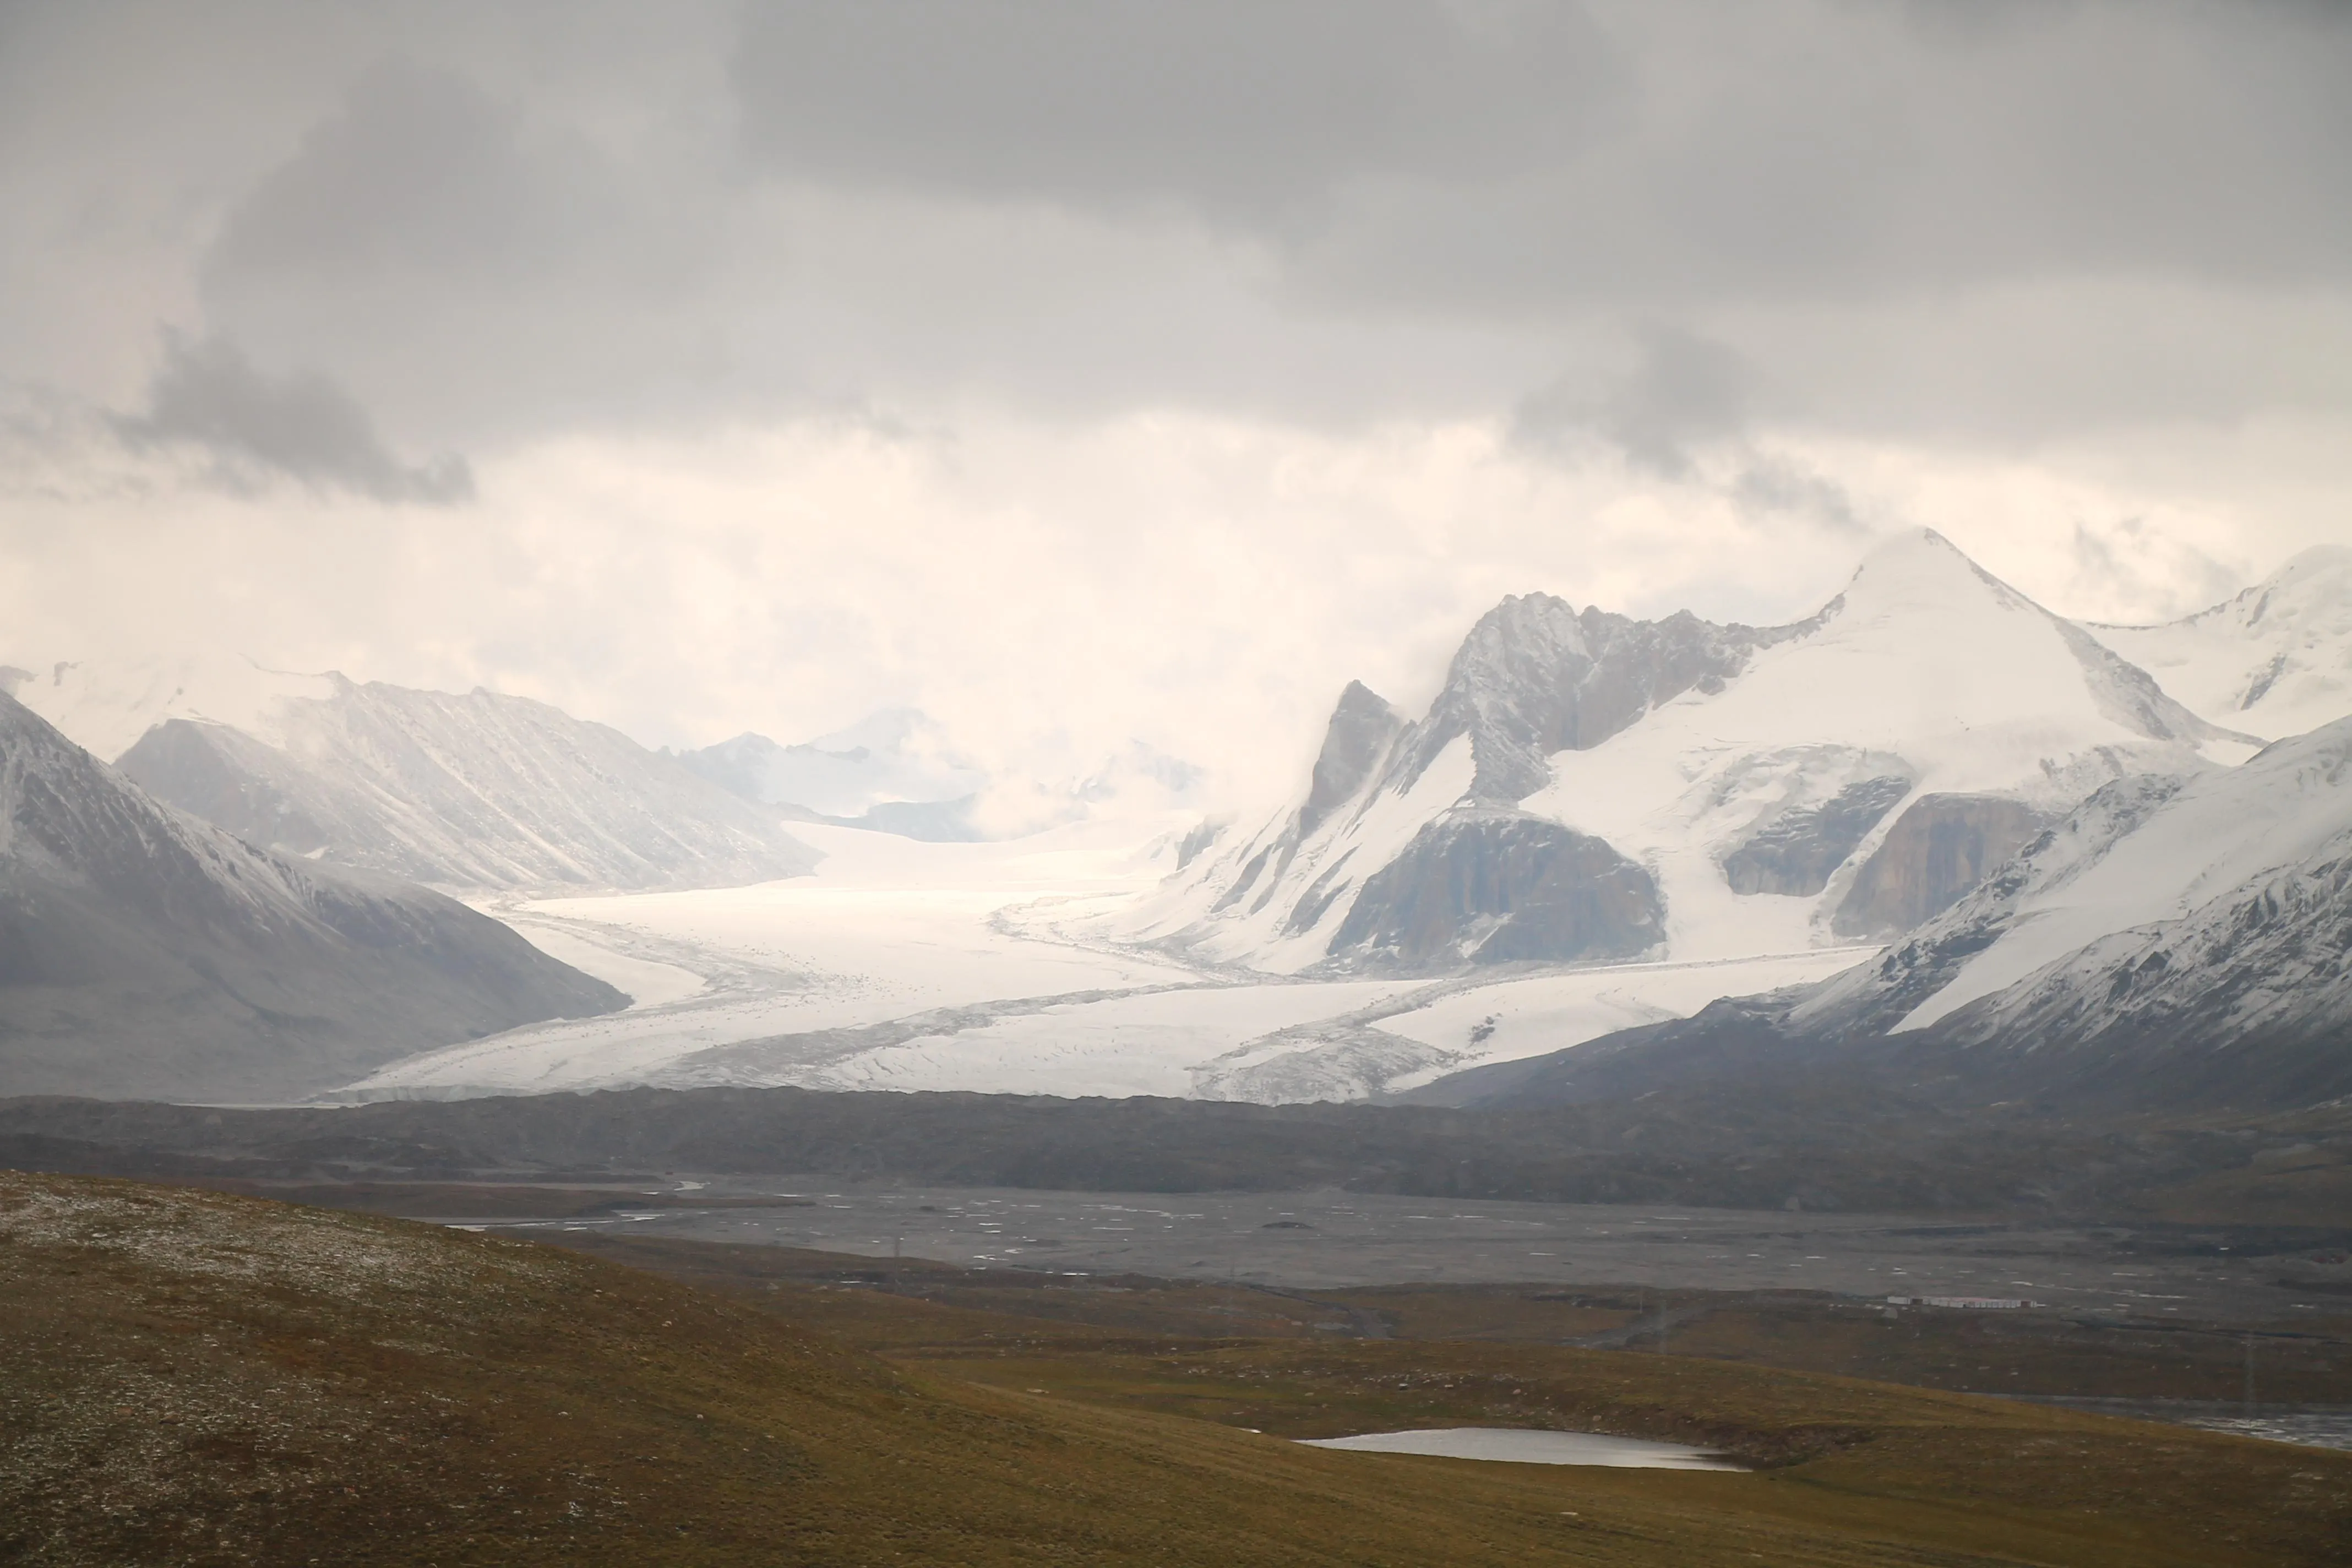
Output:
x,y
2274,661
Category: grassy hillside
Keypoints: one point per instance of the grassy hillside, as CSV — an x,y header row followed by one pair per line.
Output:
x,y
190,1377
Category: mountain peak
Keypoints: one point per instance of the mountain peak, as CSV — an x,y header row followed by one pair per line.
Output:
x,y
1918,566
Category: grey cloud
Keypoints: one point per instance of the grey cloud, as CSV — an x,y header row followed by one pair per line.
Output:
x,y
481,268
1685,393
303,427
1240,108
1769,483
1517,156
1965,220
1683,390
2127,559
420,172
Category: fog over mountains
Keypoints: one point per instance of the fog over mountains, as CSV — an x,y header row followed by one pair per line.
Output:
x,y
894,770
2097,879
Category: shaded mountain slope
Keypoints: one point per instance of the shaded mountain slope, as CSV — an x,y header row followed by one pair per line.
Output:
x,y
144,952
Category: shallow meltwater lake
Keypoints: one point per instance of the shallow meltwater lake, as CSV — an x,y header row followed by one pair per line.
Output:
x,y
1520,1445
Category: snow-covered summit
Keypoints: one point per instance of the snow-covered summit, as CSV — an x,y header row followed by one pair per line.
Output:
x,y
1589,786
2273,660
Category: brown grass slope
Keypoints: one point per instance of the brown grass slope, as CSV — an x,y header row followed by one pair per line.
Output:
x,y
193,1378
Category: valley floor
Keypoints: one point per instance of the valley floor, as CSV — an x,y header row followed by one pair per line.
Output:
x,y
193,1378
1331,1241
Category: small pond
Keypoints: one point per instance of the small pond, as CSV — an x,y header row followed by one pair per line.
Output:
x,y
1520,1445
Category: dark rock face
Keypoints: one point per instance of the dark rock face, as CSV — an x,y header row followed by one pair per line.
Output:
x,y
1493,888
144,952
1534,676
1940,847
1362,729
1796,852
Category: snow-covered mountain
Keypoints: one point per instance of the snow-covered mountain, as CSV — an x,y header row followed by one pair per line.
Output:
x,y
2173,940
1590,787
480,791
2275,661
144,952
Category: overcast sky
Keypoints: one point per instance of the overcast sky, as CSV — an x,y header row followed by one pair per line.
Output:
x,y
1086,371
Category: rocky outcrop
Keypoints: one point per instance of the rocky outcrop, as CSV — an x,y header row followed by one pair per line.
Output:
x,y
1795,853
1941,847
1362,729
1490,888
1535,676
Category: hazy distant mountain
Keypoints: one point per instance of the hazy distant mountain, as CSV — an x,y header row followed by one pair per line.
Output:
x,y
144,952
894,771
474,791
1588,787
2178,941
2274,660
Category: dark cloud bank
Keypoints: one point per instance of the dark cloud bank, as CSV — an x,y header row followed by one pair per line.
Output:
x,y
1654,225
303,427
